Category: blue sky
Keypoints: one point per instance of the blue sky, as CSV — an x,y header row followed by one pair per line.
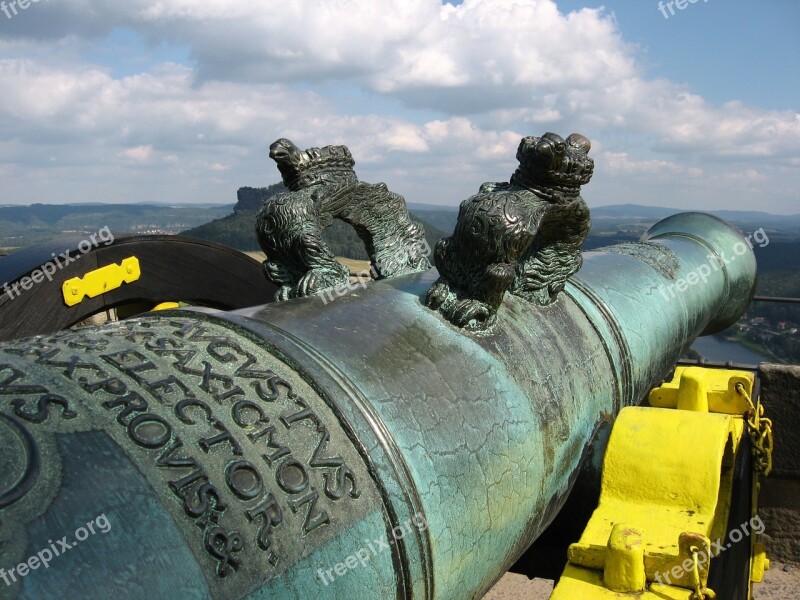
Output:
x,y
178,100
746,50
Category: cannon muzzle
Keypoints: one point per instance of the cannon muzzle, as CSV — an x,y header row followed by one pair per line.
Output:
x,y
356,445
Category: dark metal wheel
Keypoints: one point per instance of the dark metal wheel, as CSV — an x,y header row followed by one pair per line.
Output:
x,y
173,268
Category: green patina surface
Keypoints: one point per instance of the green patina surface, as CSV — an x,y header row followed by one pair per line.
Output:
x,y
383,411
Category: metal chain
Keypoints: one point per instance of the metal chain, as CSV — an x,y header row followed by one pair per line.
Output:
x,y
700,591
759,429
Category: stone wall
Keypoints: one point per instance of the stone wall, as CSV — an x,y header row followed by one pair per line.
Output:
x,y
779,501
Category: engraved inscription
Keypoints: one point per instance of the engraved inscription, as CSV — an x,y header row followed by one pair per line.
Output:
x,y
42,408
240,451
19,461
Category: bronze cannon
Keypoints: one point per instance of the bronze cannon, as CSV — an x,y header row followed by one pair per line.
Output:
x,y
401,440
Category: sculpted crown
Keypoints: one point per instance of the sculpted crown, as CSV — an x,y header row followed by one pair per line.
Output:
x,y
303,168
554,166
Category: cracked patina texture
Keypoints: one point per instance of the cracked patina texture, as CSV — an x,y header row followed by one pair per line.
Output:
x,y
523,236
270,444
323,186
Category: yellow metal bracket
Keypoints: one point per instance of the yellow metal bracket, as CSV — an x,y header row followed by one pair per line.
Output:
x,y
102,280
166,306
665,493
706,390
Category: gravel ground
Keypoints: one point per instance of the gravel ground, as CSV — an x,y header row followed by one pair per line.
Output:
x,y
781,582
513,586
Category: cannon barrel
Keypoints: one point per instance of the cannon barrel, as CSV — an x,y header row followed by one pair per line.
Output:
x,y
351,446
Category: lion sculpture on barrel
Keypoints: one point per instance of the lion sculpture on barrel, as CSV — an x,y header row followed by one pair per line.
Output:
x,y
523,236
323,186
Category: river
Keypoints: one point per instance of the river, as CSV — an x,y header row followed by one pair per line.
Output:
x,y
719,349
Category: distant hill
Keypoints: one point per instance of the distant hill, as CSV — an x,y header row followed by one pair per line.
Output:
x,y
784,227
250,199
621,222
237,230
444,219
22,226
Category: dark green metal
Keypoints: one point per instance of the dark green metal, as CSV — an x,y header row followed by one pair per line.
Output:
x,y
523,236
358,448
323,186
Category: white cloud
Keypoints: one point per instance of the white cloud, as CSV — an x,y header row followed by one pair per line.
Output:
x,y
138,154
424,94
620,162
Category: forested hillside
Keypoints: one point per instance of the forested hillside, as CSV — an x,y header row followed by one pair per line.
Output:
x,y
238,229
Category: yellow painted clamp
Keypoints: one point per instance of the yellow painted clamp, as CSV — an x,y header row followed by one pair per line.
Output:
x,y
102,280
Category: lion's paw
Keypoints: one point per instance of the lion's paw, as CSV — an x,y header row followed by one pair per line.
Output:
x,y
317,280
437,295
472,314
